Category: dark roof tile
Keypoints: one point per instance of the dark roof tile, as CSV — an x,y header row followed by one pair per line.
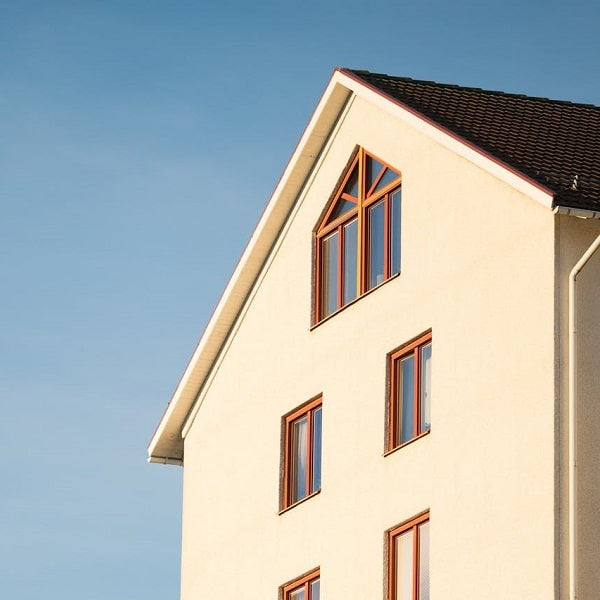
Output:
x,y
553,142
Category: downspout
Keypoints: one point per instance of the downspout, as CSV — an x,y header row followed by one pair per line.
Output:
x,y
573,416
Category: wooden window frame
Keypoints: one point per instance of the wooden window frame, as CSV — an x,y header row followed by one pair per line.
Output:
x,y
303,581
306,410
365,200
412,348
412,524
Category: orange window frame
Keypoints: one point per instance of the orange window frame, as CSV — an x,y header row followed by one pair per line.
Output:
x,y
413,524
302,583
413,349
306,410
367,197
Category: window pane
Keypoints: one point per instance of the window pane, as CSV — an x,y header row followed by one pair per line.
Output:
x,y
374,167
352,185
404,566
343,206
298,470
350,260
315,590
376,244
406,394
424,561
316,451
395,232
387,178
425,418
329,277
297,595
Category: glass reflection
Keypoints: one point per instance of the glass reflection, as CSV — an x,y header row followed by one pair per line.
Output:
x,y
316,451
425,417
388,177
404,566
343,206
376,244
395,231
350,260
374,167
352,185
406,390
329,275
424,561
298,467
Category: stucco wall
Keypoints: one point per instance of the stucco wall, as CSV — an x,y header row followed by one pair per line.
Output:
x,y
574,237
478,269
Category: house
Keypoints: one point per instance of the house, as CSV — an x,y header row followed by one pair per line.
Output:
x,y
324,445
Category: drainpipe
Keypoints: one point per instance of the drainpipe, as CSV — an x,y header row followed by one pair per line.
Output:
x,y
573,416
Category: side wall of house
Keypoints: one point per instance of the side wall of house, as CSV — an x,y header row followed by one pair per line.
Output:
x,y
478,270
574,237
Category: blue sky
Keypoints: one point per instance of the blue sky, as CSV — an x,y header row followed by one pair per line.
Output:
x,y
139,142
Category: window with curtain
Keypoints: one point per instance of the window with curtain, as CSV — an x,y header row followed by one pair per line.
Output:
x,y
408,555
302,446
358,239
409,407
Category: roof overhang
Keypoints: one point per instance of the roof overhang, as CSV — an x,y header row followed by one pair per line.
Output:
x,y
166,445
580,213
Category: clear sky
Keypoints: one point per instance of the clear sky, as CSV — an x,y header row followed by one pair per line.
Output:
x,y
139,142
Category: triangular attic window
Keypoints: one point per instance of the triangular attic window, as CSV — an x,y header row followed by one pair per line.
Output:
x,y
358,238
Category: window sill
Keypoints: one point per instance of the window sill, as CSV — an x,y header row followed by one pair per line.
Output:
x,y
285,509
407,443
352,302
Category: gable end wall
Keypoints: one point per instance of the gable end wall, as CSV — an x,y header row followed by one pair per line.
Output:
x,y
478,269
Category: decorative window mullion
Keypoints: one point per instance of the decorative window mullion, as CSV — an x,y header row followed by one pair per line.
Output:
x,y
361,247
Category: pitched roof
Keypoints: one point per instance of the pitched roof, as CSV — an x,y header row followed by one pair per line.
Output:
x,y
555,143
537,143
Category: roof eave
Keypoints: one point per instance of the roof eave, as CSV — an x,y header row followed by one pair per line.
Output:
x,y
581,213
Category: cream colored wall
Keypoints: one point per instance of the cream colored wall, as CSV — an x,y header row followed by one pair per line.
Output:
x,y
574,237
478,269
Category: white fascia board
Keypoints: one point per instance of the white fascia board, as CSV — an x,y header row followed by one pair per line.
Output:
x,y
580,213
448,139
166,445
